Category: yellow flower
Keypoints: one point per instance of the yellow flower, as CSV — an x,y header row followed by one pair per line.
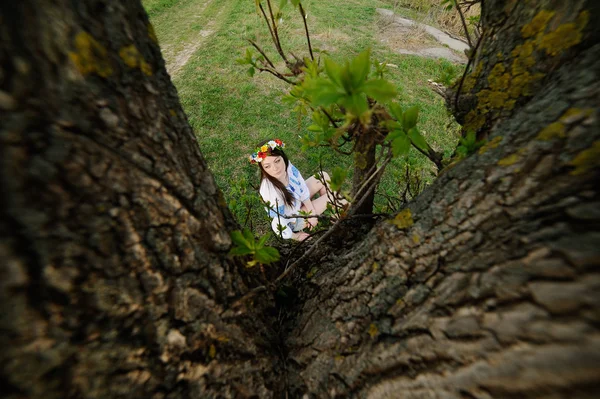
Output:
x,y
264,148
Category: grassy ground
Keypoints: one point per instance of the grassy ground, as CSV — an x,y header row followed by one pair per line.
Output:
x,y
231,112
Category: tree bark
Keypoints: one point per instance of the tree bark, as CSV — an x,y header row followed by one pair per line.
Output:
x,y
364,167
488,284
115,279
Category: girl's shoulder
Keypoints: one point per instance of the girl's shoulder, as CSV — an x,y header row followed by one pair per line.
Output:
x,y
267,190
293,171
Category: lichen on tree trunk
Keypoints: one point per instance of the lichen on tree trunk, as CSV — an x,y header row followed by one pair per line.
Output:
x,y
114,275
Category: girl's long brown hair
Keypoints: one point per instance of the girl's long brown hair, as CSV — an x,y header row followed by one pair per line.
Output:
x,y
288,198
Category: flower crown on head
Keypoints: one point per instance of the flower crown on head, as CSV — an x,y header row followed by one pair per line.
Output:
x,y
264,151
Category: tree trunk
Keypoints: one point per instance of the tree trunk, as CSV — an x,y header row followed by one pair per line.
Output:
x,y
115,279
488,284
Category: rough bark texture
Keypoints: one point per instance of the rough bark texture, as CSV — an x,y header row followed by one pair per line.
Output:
x,y
488,284
364,161
114,279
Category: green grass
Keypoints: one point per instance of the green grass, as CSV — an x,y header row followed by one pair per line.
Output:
x,y
231,112
156,7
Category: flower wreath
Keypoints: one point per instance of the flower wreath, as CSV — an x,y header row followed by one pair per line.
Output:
x,y
264,151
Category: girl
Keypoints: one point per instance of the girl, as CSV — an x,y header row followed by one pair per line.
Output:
x,y
286,193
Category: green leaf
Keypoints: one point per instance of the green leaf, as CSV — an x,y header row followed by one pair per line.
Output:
x,y
267,255
261,241
346,80
238,238
410,118
295,2
359,69
391,125
334,71
323,92
282,4
314,128
396,111
417,139
251,71
400,143
380,90
240,251
356,104
248,236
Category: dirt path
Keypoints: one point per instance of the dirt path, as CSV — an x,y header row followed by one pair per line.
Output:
x,y
409,37
187,29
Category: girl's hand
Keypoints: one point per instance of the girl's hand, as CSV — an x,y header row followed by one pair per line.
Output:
x,y
312,223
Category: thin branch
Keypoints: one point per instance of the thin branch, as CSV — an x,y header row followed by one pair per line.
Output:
x,y
331,196
430,154
312,57
294,216
276,74
464,23
375,177
278,219
329,117
372,174
462,79
261,52
336,149
278,42
270,29
248,296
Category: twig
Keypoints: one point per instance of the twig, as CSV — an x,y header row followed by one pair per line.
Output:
x,y
249,295
378,173
306,30
295,216
262,52
373,174
270,29
462,79
276,74
330,194
278,43
464,23
329,117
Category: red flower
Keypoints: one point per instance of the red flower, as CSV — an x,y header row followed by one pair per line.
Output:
x,y
262,155
279,142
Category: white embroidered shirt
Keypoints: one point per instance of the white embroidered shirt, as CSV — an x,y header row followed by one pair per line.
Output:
x,y
271,196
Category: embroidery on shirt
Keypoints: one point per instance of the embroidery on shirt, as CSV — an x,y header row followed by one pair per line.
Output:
x,y
273,214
